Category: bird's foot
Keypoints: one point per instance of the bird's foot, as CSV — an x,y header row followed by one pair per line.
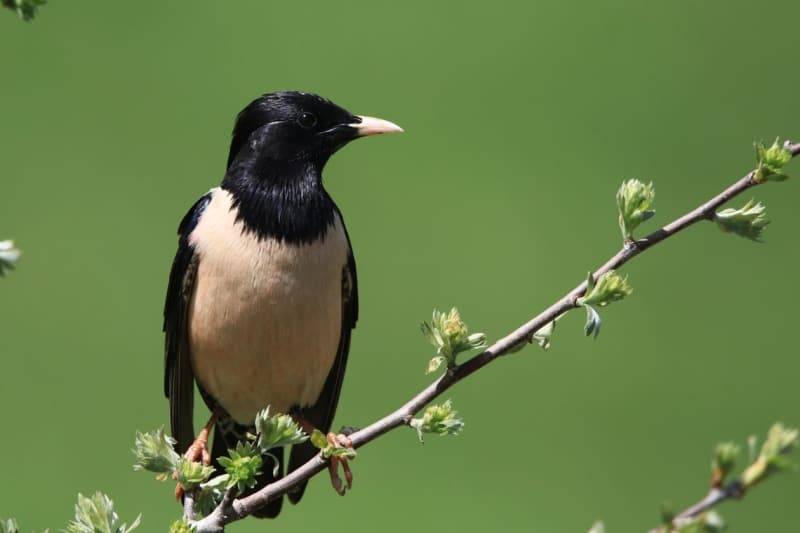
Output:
x,y
340,441
198,452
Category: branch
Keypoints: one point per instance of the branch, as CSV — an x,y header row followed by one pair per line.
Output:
x,y
771,459
242,507
715,496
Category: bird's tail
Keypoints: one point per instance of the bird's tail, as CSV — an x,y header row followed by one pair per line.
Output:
x,y
225,438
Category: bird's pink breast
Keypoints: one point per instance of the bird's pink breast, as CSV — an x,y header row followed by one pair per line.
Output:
x,y
265,318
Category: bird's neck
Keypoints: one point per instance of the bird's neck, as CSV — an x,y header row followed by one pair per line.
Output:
x,y
282,200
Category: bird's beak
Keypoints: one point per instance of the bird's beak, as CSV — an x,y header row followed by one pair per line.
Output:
x,y
374,126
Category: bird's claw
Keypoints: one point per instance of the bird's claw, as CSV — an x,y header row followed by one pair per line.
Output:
x,y
340,441
197,452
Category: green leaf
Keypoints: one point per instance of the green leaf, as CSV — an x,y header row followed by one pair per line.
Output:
x,y
439,419
243,466
610,287
339,451
723,461
97,515
771,161
772,458
748,221
191,474
435,363
593,322
320,441
780,440
210,493
181,526
450,336
9,256
155,452
543,336
277,430
635,205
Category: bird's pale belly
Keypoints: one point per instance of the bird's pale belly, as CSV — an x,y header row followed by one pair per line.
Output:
x,y
265,318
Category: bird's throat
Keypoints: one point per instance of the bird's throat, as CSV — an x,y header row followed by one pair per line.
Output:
x,y
283,201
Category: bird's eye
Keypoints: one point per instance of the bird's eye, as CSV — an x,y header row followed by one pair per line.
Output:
x,y
307,120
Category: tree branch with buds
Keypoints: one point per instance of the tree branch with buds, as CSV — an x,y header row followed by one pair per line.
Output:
x,y
770,460
450,336
701,517
214,501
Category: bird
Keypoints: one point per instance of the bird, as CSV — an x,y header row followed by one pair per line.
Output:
x,y
262,296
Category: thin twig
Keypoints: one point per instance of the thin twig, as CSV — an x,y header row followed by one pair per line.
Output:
x,y
245,506
715,496
188,505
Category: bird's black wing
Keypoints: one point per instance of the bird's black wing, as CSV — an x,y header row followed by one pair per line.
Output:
x,y
178,377
321,413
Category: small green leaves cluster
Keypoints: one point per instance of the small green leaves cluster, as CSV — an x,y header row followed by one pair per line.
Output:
x,y
9,256
748,221
97,515
635,204
723,462
772,458
439,419
8,526
450,336
543,336
610,287
25,9
155,452
191,474
328,450
211,493
277,430
770,162
181,526
243,466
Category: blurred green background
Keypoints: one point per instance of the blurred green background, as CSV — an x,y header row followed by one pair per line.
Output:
x,y
521,121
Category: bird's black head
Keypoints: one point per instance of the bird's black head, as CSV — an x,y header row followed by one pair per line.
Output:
x,y
281,142
289,126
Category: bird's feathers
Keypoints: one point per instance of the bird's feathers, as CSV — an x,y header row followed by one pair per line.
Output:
x,y
258,322
322,412
266,316
178,378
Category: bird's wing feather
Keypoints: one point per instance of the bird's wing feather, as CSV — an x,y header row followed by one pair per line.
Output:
x,y
178,377
320,415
